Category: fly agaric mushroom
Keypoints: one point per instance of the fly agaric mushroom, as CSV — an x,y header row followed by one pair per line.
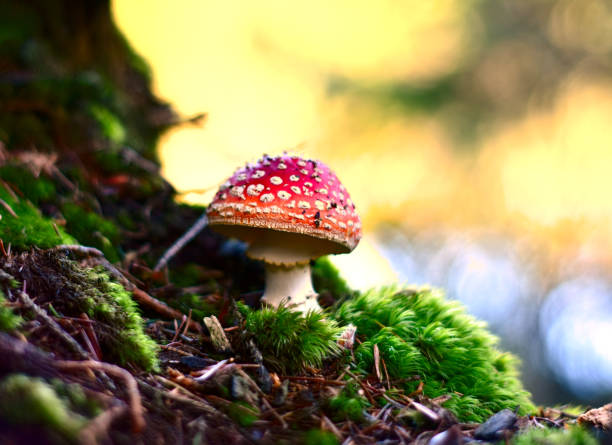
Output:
x,y
290,211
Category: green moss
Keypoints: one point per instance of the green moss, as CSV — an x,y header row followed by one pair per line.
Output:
x,y
75,396
420,333
92,229
9,321
21,180
549,436
109,124
290,341
243,413
198,306
30,401
326,278
348,404
109,302
73,290
320,437
29,228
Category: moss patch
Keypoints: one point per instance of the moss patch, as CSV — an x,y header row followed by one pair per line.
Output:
x,y
108,302
29,401
73,290
23,226
326,278
92,229
419,333
548,436
290,341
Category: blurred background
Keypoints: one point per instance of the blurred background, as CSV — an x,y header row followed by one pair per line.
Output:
x,y
475,138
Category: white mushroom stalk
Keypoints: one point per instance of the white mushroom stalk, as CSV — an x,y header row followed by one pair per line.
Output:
x,y
291,286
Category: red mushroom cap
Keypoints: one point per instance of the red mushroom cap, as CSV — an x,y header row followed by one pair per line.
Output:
x,y
287,194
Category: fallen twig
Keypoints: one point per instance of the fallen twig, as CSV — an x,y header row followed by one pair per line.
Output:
x,y
161,308
196,228
98,427
365,388
52,324
320,380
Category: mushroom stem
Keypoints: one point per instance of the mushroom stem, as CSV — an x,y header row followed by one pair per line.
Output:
x,y
291,285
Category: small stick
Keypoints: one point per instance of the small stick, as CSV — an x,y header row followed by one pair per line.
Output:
x,y
245,376
386,373
196,228
365,388
136,410
188,323
4,252
315,379
53,325
160,307
92,351
329,425
199,404
177,330
377,362
99,425
91,335
8,208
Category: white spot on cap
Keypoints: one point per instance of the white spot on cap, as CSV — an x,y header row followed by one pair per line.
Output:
x,y
241,176
294,178
341,196
350,222
283,195
253,204
308,184
326,226
224,196
281,166
301,163
276,180
303,205
254,189
322,191
341,224
228,213
238,191
267,197
320,205
291,205
303,171
296,189
259,174
318,179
